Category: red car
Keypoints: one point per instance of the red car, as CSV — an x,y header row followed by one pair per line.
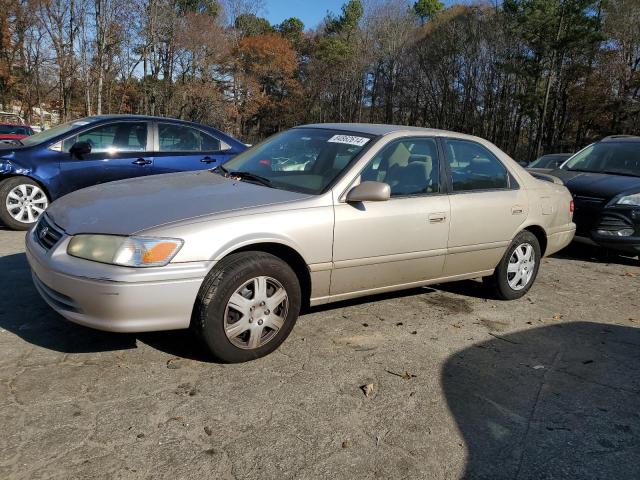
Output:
x,y
10,132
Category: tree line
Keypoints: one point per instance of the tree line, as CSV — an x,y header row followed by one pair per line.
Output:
x,y
533,76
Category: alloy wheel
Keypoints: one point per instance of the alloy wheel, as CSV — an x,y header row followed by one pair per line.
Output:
x,y
26,202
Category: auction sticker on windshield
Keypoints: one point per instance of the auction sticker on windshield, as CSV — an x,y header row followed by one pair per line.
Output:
x,y
349,140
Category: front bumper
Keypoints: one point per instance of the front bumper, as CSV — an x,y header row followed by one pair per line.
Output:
x,y
613,220
113,298
621,244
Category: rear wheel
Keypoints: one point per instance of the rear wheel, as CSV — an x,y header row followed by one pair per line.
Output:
x,y
247,306
22,201
518,269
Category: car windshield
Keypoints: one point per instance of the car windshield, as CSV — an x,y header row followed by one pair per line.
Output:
x,y
617,158
305,160
14,130
548,161
54,131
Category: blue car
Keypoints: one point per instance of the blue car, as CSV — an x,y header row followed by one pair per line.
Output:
x,y
101,149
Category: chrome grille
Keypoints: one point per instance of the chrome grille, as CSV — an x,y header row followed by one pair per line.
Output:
x,y
46,233
613,223
587,210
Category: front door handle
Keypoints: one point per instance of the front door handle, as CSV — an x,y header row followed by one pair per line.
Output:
x,y
142,162
208,160
437,217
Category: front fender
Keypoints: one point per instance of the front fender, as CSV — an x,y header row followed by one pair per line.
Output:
x,y
255,239
9,168
24,172
307,231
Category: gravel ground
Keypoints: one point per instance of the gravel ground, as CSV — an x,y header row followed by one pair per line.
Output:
x,y
463,387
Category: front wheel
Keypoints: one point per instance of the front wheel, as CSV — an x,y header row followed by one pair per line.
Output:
x,y
518,269
247,306
22,201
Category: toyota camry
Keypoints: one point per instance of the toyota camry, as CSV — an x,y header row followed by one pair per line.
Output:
x,y
312,215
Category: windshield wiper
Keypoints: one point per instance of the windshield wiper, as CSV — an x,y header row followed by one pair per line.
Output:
x,y
604,172
251,177
624,174
581,170
220,168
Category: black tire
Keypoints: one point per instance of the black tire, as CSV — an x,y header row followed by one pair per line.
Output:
x,y
229,275
499,281
6,186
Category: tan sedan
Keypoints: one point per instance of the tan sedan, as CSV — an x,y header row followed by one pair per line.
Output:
x,y
313,215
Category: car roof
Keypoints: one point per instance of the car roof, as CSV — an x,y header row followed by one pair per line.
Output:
x,y
379,129
105,118
621,138
10,124
120,116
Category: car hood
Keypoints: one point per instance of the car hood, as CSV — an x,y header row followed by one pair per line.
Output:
x,y
129,206
598,185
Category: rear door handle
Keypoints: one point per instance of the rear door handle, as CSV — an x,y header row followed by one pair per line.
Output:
x,y
142,162
437,217
208,160
517,210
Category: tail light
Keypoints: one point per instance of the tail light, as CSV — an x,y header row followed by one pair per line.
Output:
x,y
571,206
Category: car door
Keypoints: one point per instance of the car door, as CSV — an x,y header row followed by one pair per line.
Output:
x,y
399,241
182,148
118,151
487,207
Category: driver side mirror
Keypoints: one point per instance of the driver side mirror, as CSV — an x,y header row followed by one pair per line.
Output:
x,y
369,192
79,149
523,164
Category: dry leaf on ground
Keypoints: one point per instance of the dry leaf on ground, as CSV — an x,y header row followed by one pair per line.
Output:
x,y
367,389
406,375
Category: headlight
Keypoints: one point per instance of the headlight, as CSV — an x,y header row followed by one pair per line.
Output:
x,y
125,251
633,200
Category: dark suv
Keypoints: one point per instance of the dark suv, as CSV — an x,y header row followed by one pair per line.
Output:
x,y
604,179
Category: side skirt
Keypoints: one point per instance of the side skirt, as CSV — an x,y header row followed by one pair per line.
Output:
x,y
404,286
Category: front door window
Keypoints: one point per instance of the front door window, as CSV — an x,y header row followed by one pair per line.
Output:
x,y
113,138
410,167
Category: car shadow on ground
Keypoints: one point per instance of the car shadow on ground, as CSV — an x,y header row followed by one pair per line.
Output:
x,y
558,401
25,314
595,254
468,288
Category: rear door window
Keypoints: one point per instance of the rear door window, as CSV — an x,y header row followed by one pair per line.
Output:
x,y
473,167
181,138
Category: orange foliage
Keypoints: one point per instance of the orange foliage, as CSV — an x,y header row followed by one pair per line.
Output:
x,y
268,56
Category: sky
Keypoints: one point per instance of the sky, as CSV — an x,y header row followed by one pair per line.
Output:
x,y
311,12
